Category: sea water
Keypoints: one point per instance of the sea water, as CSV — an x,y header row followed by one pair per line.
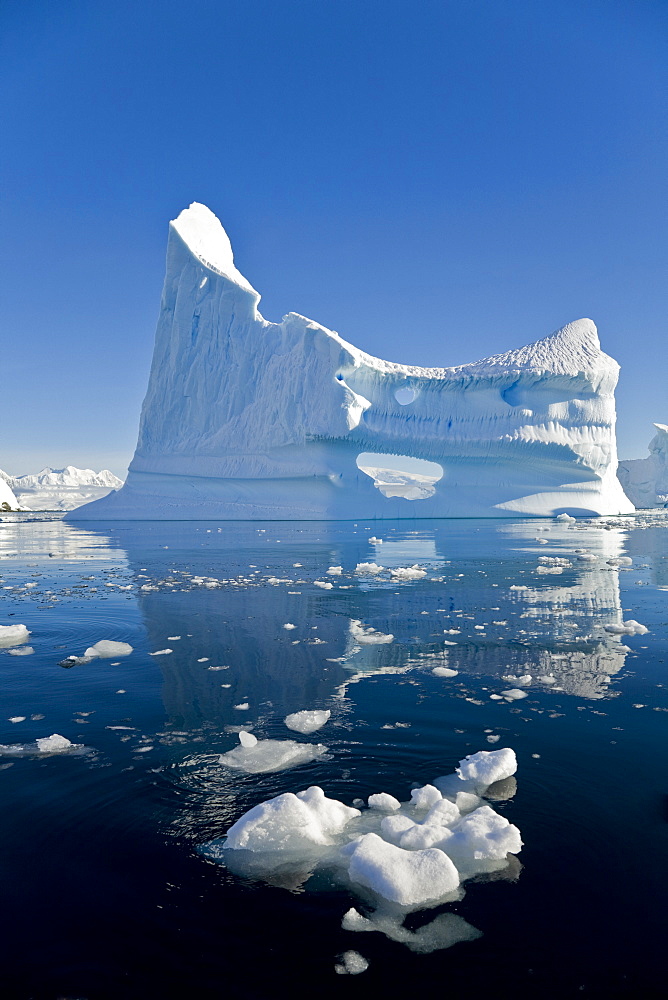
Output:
x,y
108,890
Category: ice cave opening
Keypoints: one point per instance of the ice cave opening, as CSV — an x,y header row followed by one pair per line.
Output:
x,y
401,475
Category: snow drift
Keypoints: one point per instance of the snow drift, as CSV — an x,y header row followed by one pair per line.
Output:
x,y
247,419
645,480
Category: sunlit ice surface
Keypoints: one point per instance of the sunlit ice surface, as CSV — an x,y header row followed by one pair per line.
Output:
x,y
430,644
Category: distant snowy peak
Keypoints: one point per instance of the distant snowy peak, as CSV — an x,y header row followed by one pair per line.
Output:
x,y
69,476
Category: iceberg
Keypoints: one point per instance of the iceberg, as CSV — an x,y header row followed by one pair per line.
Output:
x,y
645,480
247,419
61,489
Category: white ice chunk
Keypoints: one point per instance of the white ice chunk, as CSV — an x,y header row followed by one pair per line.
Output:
x,y
424,798
290,822
161,652
631,627
483,835
384,802
367,636
514,694
21,651
335,570
54,744
408,572
443,932
13,635
107,650
393,827
368,569
409,878
351,964
487,766
444,672
271,755
247,739
307,721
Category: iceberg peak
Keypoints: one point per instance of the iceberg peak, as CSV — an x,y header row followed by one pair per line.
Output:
x,y
203,234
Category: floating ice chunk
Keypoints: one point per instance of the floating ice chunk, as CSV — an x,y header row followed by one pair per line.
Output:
x,y
18,718
514,694
408,572
247,739
13,635
243,706
75,661
271,755
620,561
161,652
425,797
483,835
365,635
517,586
54,744
564,517
547,679
444,931
307,721
351,964
106,649
21,651
369,569
335,570
393,827
290,822
488,766
444,672
323,584
409,878
384,802
375,541
631,627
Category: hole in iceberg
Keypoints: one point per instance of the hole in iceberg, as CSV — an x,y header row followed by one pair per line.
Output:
x,y
401,475
405,395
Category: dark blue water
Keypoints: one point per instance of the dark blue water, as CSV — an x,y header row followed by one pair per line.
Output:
x,y
105,893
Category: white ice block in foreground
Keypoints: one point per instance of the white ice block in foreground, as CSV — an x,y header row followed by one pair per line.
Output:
x,y
410,878
247,419
13,635
290,822
307,721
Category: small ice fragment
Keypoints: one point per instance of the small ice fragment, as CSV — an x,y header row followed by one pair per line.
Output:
x,y
323,584
17,718
335,570
247,739
408,572
444,672
121,691
376,541
514,694
53,744
161,652
368,569
631,627
384,802
173,638
351,964
106,649
290,822
289,625
21,651
204,659
488,766
564,517
13,635
307,721
493,739
242,706
409,878
425,797
365,635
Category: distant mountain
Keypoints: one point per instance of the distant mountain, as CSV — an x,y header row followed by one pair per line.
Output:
x,y
69,476
57,489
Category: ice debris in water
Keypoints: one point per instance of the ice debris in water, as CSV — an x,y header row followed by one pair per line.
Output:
x,y
13,635
106,649
444,672
365,635
262,756
368,569
400,857
335,570
161,652
631,627
307,721
351,964
54,744
21,651
408,573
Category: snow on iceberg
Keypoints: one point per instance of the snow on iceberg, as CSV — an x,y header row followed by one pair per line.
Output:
x,y
248,419
645,480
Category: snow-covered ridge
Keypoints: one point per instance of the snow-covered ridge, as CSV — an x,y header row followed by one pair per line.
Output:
x,y
249,419
60,489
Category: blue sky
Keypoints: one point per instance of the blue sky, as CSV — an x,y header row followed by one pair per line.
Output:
x,y
437,181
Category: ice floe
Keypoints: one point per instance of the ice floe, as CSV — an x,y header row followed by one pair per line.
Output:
x,y
307,721
13,635
260,756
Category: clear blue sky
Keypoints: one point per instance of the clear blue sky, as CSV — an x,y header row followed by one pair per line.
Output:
x,y
438,181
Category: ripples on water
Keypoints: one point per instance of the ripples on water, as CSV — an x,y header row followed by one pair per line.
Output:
x,y
106,894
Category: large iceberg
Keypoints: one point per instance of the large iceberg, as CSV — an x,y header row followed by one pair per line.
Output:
x,y
247,419
61,489
645,480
